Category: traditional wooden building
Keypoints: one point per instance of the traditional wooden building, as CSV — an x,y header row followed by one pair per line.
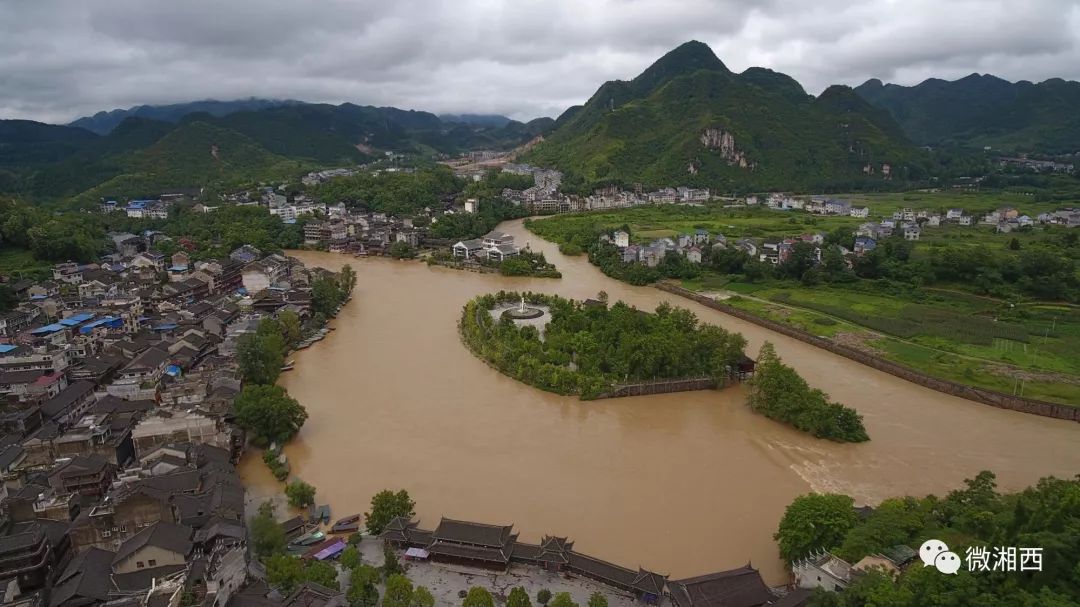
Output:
x,y
742,587
496,547
477,544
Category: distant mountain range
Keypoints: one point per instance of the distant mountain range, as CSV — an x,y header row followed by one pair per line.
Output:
x,y
213,143
103,123
984,110
687,119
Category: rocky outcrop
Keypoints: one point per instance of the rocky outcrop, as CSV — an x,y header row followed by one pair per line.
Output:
x,y
724,142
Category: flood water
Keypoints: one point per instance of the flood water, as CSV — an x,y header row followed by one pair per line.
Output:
x,y
682,484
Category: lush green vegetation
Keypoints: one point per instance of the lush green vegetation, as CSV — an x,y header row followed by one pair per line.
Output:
x,y
586,349
300,494
267,536
648,130
362,590
269,413
814,522
34,238
462,226
983,110
527,263
977,516
217,233
184,146
48,237
261,354
1028,347
387,505
394,193
329,291
286,572
778,392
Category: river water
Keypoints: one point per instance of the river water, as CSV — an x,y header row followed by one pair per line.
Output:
x,y
682,483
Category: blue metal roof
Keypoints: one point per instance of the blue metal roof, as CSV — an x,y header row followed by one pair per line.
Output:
x,y
169,326
53,328
5,348
111,321
77,319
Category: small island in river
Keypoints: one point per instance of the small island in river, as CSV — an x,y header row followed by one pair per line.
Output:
x,y
591,349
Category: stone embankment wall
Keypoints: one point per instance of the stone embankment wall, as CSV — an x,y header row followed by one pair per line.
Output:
x,y
662,386
980,395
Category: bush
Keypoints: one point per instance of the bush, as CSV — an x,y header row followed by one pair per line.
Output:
x,y
300,494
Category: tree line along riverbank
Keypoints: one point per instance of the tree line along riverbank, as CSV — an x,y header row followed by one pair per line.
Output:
x,y
590,348
263,408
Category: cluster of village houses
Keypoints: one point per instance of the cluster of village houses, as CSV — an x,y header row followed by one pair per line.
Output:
x,y
544,196
118,446
906,222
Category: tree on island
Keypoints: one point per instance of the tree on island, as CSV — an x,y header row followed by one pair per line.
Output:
x,y
385,507
597,599
818,521
543,596
777,391
269,413
518,598
478,597
300,494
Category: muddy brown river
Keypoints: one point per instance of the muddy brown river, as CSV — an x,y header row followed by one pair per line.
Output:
x,y
682,483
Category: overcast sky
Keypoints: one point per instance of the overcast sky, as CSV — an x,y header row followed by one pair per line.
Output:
x,y
61,59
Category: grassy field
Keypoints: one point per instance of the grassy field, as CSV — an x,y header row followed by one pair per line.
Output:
x,y
969,339
20,262
1031,348
972,202
648,223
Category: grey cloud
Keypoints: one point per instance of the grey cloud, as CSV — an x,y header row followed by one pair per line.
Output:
x,y
62,59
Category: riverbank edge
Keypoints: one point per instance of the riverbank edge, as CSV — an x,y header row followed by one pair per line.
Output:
x,y
972,393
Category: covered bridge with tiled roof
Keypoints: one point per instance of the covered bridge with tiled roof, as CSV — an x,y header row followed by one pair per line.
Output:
x,y
471,543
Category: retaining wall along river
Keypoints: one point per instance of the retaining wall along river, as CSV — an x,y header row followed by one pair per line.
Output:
x,y
981,395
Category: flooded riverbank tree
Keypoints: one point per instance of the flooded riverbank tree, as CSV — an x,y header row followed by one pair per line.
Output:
x,y
587,348
780,393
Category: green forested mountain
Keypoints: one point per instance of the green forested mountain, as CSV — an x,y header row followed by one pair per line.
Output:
x,y
983,110
141,156
687,119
